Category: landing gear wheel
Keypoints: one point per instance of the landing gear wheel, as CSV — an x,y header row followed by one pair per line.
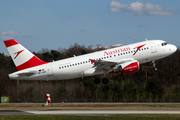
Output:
x,y
97,81
155,69
105,81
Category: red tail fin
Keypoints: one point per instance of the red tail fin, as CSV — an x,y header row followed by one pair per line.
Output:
x,y
22,57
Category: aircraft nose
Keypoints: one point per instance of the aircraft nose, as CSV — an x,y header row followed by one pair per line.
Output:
x,y
173,48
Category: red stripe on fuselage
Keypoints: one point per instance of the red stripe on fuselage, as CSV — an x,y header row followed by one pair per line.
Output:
x,y
10,42
34,61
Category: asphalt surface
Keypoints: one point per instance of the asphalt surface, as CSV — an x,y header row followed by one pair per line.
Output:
x,y
86,112
13,112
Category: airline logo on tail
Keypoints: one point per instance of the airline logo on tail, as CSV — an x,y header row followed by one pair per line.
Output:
x,y
17,53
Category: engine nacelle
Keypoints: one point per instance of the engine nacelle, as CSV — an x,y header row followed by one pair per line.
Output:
x,y
125,68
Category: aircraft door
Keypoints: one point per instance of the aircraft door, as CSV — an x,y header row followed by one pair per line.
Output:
x,y
153,47
49,70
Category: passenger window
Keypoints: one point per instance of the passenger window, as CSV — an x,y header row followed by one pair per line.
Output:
x,y
59,67
144,48
81,62
104,57
62,66
67,65
114,55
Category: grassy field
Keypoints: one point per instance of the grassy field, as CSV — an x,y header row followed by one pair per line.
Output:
x,y
123,106
113,117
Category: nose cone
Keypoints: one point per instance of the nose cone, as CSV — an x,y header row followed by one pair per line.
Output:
x,y
173,48
169,49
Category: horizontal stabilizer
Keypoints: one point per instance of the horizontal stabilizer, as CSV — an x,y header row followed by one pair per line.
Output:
x,y
26,74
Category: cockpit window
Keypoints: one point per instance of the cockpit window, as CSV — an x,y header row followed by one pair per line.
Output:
x,y
163,44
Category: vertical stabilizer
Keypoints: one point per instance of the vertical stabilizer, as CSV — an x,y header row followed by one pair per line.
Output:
x,y
22,57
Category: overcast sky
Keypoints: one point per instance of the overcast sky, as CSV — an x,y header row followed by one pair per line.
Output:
x,y
54,24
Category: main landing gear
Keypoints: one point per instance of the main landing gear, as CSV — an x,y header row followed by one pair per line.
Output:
x,y
104,80
98,81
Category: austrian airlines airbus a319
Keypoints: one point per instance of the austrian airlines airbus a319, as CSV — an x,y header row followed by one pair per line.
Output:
x,y
124,59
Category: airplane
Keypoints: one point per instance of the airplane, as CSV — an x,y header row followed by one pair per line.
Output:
x,y
119,60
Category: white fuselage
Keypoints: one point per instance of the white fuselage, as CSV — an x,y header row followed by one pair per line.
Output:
x,y
75,66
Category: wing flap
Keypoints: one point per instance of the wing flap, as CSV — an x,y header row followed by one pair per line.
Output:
x,y
108,64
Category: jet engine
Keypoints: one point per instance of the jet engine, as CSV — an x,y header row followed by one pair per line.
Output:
x,y
125,68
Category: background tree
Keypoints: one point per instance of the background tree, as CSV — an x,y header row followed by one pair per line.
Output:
x,y
154,86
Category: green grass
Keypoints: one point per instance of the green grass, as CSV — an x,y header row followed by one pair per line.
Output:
x,y
113,117
149,116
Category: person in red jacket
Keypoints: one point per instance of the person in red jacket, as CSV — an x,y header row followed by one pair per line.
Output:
x,y
48,99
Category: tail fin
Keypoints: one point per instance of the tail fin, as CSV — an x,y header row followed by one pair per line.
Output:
x,y
22,57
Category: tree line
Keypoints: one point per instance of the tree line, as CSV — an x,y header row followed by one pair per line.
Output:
x,y
146,85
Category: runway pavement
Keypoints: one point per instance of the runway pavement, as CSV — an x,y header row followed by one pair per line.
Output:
x,y
13,112
87,112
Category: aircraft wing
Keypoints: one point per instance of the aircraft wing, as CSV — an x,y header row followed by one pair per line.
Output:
x,y
108,64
